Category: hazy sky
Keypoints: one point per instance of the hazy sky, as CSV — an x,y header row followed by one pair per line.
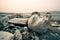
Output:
x,y
26,6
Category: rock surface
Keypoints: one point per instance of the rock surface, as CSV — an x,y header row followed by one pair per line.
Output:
x,y
6,36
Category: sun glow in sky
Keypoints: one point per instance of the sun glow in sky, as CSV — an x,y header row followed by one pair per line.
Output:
x,y
26,6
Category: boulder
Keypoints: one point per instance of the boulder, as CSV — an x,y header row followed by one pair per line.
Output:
x,y
37,24
18,35
6,36
5,21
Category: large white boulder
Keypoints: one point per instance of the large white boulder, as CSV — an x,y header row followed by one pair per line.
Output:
x,y
37,24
